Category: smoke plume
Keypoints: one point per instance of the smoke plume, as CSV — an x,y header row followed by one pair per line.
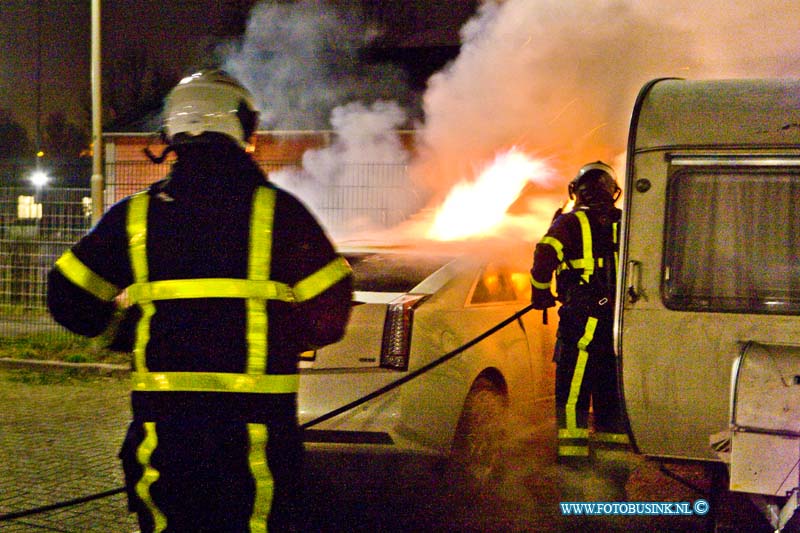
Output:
x,y
332,178
556,79
560,77
301,61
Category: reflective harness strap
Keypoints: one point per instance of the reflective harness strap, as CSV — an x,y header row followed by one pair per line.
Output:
x,y
177,289
149,475
137,250
265,483
572,431
258,269
215,382
615,236
305,289
580,263
586,238
79,274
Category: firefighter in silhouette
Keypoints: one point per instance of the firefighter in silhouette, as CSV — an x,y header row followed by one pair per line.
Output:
x,y
228,278
581,248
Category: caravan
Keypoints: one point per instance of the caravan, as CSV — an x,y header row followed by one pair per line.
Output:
x,y
708,308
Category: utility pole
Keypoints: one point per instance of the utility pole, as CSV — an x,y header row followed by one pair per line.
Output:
x,y
38,82
97,121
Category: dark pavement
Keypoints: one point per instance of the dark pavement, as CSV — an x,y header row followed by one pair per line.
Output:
x,y
59,438
58,441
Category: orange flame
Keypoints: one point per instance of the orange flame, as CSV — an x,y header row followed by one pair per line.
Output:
x,y
478,208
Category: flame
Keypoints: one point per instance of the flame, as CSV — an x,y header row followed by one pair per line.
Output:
x,y
478,208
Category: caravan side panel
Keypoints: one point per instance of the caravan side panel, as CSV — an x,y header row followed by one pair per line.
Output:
x,y
710,252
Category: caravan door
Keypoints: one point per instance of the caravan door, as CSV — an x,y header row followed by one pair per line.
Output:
x,y
710,254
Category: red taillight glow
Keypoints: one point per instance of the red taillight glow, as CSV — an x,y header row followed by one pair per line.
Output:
x,y
397,331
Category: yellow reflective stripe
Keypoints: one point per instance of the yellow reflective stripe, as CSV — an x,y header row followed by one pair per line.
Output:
x,y
322,279
615,233
573,433
137,249
586,237
84,277
258,268
555,244
176,289
137,235
257,458
615,438
539,284
149,475
574,451
580,263
215,382
580,368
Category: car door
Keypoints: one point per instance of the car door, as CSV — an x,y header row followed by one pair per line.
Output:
x,y
524,348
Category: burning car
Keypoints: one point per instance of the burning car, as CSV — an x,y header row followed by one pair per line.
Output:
x,y
411,308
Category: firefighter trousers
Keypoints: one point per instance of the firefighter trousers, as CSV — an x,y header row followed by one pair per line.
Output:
x,y
185,477
586,376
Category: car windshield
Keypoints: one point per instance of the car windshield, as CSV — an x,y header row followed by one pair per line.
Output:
x,y
391,272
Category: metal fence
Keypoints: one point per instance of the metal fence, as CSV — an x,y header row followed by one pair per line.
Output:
x,y
38,224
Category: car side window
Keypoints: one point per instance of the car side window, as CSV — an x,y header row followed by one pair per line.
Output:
x,y
495,284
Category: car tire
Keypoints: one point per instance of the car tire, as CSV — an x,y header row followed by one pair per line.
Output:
x,y
480,434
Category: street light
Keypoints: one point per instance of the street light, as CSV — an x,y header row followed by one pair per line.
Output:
x,y
39,179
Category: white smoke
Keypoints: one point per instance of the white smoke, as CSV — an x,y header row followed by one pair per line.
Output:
x,y
301,61
556,78
560,77
363,168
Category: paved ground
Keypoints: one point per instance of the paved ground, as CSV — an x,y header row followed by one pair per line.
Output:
x,y
58,441
59,438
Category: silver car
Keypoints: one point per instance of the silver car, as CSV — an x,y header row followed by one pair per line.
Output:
x,y
411,308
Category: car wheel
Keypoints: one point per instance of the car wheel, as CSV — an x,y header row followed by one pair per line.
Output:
x,y
480,433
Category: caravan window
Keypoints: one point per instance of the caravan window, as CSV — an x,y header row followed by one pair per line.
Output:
x,y
733,239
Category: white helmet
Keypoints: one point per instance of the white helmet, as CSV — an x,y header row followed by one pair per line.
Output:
x,y
596,183
209,101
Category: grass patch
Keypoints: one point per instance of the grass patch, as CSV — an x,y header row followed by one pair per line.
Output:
x,y
66,376
47,347
31,377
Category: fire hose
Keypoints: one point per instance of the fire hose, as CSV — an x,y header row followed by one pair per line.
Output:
x,y
418,372
327,416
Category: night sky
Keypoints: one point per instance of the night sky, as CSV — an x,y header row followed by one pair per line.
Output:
x,y
65,31
538,72
176,32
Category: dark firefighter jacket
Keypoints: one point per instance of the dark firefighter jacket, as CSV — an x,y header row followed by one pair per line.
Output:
x,y
231,278
581,247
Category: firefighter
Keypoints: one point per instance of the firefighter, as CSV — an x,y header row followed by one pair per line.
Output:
x,y
581,248
228,278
